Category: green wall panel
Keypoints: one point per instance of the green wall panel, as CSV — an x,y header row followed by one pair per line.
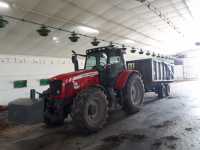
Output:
x,y
20,84
44,82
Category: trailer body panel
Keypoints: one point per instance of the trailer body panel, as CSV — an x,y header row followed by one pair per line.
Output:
x,y
154,72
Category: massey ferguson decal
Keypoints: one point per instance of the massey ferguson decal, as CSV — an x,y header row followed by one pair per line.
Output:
x,y
89,74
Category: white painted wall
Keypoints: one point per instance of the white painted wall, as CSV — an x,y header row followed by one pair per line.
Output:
x,y
178,72
28,68
189,70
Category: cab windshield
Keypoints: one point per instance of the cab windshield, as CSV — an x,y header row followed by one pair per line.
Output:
x,y
96,61
91,62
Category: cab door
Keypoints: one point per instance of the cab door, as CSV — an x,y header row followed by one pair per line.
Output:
x,y
116,65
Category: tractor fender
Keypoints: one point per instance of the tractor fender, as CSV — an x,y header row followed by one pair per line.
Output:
x,y
98,86
123,78
95,86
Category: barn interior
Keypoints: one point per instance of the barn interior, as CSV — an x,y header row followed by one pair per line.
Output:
x,y
38,40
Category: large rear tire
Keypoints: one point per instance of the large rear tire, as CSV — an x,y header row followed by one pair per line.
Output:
x,y
90,110
133,94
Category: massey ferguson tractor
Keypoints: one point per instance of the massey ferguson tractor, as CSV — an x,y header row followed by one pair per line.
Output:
x,y
88,95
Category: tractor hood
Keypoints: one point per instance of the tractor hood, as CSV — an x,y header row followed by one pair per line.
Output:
x,y
72,76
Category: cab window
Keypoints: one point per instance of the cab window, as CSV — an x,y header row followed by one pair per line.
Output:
x,y
115,60
91,62
103,59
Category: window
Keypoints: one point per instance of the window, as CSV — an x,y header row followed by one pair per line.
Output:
x,y
103,59
90,62
131,66
115,59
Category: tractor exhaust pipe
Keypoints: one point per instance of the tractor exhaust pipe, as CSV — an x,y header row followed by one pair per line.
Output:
x,y
32,94
75,61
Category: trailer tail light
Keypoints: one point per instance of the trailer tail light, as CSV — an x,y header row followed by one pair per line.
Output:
x,y
55,87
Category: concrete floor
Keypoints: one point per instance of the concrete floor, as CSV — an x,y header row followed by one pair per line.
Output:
x,y
165,124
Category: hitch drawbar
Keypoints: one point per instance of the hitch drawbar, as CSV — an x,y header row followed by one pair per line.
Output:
x,y
26,110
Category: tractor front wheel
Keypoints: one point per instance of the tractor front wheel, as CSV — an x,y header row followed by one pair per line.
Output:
x,y
90,110
133,93
53,114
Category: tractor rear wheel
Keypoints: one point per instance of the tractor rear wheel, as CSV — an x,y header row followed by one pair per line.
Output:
x,y
90,110
133,94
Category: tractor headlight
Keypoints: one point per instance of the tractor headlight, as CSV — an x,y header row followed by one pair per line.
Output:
x,y
58,92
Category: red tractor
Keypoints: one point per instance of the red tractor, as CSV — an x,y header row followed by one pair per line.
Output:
x,y
88,95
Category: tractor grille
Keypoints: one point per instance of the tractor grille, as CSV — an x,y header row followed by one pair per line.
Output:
x,y
55,87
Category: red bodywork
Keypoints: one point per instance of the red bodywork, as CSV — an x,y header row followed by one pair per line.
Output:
x,y
74,82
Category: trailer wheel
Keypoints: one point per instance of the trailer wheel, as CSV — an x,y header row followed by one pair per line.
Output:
x,y
161,91
167,87
133,94
90,110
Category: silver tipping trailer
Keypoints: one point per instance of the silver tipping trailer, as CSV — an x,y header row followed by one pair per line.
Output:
x,y
156,74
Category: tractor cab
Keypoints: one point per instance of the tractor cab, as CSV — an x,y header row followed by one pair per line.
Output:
x,y
108,61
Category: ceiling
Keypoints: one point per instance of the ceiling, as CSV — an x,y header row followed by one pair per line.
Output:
x,y
124,21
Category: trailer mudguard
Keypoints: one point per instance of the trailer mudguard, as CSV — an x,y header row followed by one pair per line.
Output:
x,y
123,77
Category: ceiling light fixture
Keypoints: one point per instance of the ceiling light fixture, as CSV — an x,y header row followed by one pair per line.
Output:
x,y
74,37
95,42
153,54
133,50
111,44
141,52
123,47
4,5
3,22
43,31
148,53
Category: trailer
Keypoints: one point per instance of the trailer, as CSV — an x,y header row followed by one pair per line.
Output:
x,y
156,74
